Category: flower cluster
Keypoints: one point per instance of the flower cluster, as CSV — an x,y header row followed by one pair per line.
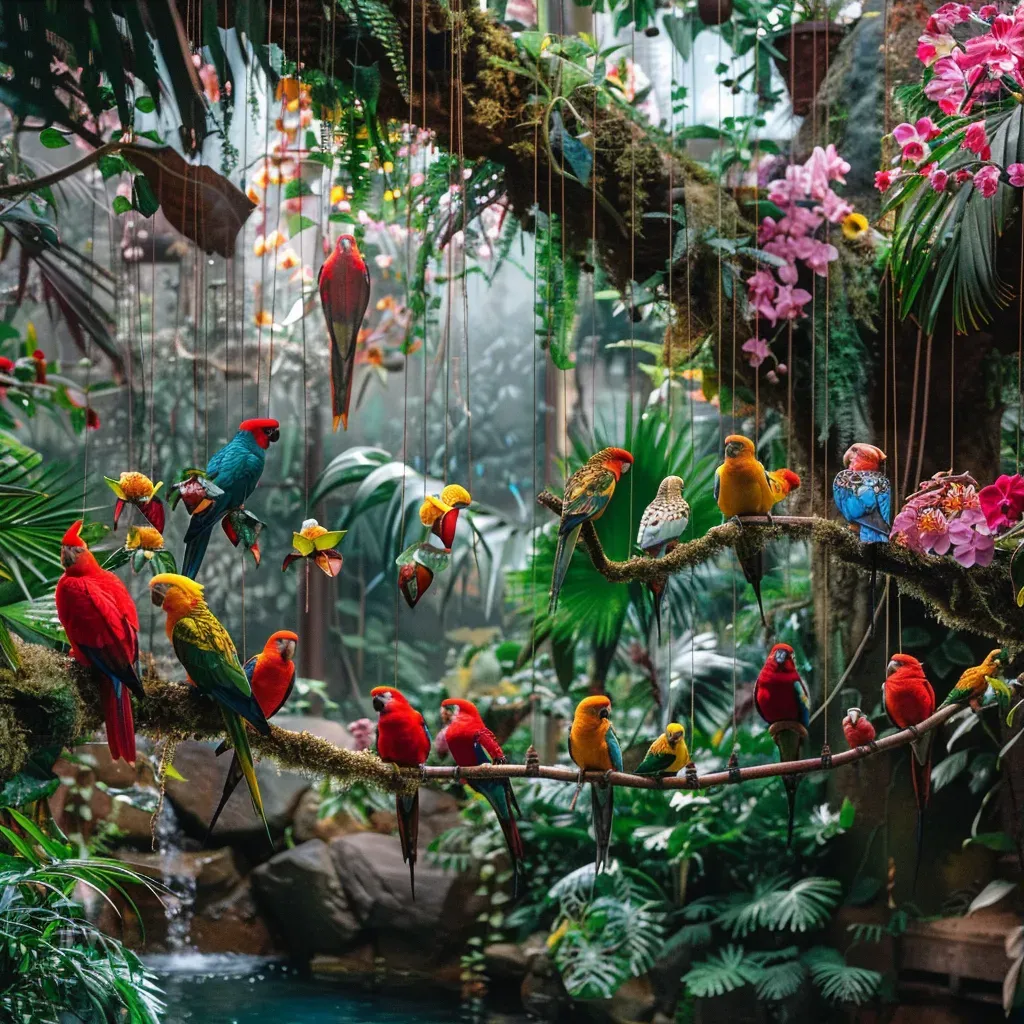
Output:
x,y
808,203
362,731
944,516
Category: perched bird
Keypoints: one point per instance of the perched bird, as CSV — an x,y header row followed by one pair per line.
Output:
x,y
344,284
861,493
662,523
471,743
271,674
743,488
782,701
402,739
102,626
782,481
971,686
587,493
668,754
594,747
206,652
236,470
857,728
909,699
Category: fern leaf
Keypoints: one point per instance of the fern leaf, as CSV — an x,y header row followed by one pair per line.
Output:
x,y
377,19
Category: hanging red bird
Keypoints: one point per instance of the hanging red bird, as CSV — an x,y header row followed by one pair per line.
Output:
x,y
857,728
344,284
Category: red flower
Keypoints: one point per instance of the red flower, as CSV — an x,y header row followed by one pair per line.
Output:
x,y
1003,502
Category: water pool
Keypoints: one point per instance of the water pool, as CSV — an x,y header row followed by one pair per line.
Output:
x,y
227,989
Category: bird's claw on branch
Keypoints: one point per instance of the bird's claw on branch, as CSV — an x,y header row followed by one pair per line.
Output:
x,y
826,757
607,781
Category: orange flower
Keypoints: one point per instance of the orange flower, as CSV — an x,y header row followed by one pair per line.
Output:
x,y
263,318
287,89
261,177
253,195
275,240
288,260
147,538
259,247
374,355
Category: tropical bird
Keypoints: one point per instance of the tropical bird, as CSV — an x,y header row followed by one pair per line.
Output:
x,y
782,481
587,493
404,740
594,747
909,699
471,743
271,674
344,284
102,626
236,470
743,488
662,523
668,754
861,493
973,683
206,652
857,728
782,701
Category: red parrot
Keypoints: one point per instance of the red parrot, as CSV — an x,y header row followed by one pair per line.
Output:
x,y
102,625
857,728
344,284
782,701
271,674
402,739
909,699
6,367
471,743
39,358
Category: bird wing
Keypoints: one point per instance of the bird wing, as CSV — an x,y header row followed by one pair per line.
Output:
x,y
249,667
486,744
426,731
205,649
614,750
863,499
586,495
654,763
803,703
718,482
659,526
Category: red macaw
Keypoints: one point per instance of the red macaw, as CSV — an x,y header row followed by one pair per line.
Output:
x,y
344,284
471,743
909,699
857,728
782,701
271,674
102,625
402,739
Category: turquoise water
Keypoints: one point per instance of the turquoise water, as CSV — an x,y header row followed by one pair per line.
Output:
x,y
245,990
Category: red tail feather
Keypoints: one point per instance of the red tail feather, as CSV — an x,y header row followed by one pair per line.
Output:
x,y
408,812
120,724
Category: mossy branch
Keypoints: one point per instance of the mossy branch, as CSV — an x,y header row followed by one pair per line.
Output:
x,y
977,599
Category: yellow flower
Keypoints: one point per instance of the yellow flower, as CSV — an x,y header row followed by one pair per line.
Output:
x,y
431,510
456,496
146,538
30,335
558,934
388,166
855,225
136,487
388,195
259,247
337,194
275,240
288,260
311,529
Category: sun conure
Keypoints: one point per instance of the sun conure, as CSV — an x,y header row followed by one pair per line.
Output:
x,y
668,754
594,747
236,470
973,683
271,674
206,652
102,626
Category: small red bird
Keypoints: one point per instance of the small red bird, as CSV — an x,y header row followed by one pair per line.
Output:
x,y
102,626
344,284
471,743
909,699
402,739
857,728
271,674
782,701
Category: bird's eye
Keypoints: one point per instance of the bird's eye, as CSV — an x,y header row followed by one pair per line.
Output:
x,y
603,713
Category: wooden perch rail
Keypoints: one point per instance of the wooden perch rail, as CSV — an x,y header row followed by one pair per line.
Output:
x,y
978,599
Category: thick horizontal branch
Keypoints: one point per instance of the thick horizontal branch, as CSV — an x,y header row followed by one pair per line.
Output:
x,y
978,599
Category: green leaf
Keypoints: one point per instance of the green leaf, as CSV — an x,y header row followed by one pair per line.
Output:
x,y
847,813
296,189
298,222
145,104
996,890
35,781
53,139
998,841
948,769
143,197
724,971
121,204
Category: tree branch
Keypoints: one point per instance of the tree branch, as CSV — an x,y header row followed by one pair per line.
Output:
x,y
978,599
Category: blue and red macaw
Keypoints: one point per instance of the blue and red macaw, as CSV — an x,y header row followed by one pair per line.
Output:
x,y
344,284
471,743
236,470
271,675
861,493
102,626
402,739
782,701
909,699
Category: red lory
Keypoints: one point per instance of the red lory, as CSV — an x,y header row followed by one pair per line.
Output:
x,y
271,674
402,739
344,284
102,625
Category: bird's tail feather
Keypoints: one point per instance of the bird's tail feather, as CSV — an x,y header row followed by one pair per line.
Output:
x,y
563,556
408,811
752,563
243,755
117,713
871,600
921,774
601,799
233,779
790,782
516,852
195,552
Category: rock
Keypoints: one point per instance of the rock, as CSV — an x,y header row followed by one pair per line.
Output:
x,y
209,869
135,824
307,823
542,993
439,811
505,961
302,896
633,1001
232,925
195,800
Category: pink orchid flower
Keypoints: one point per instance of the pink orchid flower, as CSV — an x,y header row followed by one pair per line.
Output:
x,y
757,351
972,545
986,181
1003,501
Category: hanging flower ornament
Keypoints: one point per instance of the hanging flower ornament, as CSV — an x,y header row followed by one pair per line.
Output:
x,y
194,490
441,514
144,545
317,543
243,530
137,489
417,566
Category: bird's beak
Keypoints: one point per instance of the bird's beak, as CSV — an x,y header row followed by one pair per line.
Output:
x,y
780,656
158,593
853,714
732,449
891,667
603,713
274,435
68,554
625,467
288,650
378,704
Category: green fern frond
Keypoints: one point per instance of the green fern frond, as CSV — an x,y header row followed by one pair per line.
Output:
x,y
782,973
377,19
838,981
724,971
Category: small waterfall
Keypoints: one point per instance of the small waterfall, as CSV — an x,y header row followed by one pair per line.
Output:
x,y
178,876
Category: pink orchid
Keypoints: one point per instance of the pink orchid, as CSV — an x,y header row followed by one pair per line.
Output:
x,y
761,284
938,179
1003,501
836,210
948,86
976,139
823,167
988,12
790,302
986,181
933,45
1016,173
883,180
933,531
999,50
914,138
972,545
963,175
757,351
947,16
768,230
822,254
